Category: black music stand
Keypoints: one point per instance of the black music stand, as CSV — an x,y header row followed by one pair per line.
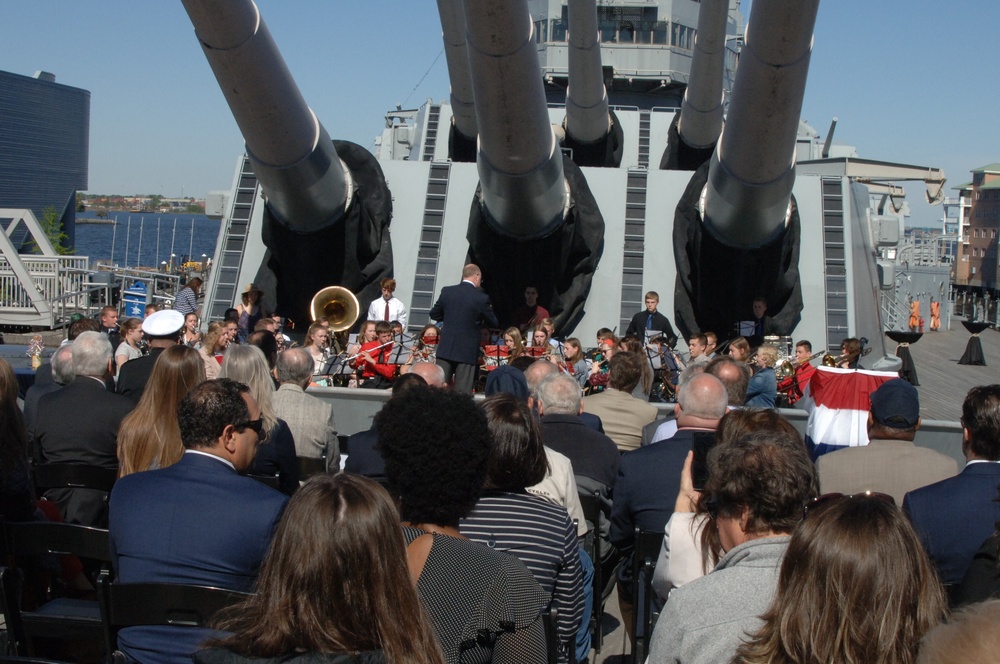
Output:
x,y
974,349
908,371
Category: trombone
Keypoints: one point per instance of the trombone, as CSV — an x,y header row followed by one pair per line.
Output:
x,y
786,369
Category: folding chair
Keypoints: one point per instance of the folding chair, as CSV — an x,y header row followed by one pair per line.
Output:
x,y
60,617
645,552
309,466
72,476
167,604
592,504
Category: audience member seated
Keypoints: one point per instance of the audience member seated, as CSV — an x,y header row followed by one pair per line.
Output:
x,y
645,384
365,456
509,519
648,478
17,496
970,635
162,330
855,586
954,516
690,550
763,388
62,374
890,463
333,588
197,521
735,376
150,436
276,453
622,415
982,581
758,488
485,605
309,419
79,424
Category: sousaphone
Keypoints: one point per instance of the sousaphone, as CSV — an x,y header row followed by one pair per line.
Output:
x,y
338,304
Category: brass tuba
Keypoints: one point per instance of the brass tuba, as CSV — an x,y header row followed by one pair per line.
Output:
x,y
338,304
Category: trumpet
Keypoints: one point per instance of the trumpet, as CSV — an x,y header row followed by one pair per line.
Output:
x,y
786,369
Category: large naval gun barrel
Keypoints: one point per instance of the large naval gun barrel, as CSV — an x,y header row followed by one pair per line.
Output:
x,y
308,180
462,136
534,217
592,130
696,130
738,211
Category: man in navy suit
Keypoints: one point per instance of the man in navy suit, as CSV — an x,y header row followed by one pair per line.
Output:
x,y
197,521
954,516
649,478
464,309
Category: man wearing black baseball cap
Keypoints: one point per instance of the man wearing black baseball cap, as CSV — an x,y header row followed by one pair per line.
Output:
x,y
890,463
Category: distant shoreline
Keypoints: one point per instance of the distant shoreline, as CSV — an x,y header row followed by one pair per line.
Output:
x,y
85,220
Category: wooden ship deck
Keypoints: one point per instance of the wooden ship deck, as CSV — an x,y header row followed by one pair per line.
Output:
x,y
943,382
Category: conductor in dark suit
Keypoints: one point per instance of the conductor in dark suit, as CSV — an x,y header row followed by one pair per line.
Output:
x,y
198,521
651,320
954,516
79,424
464,309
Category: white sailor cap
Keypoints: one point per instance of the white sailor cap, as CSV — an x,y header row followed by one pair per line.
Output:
x,y
163,323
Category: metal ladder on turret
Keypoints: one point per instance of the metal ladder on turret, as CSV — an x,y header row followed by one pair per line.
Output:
x,y
429,249
835,261
232,240
633,252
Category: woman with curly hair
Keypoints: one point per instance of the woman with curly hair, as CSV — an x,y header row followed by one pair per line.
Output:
x,y
855,586
485,605
150,436
333,588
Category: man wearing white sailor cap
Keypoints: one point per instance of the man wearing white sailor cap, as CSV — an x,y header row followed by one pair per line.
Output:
x,y
162,328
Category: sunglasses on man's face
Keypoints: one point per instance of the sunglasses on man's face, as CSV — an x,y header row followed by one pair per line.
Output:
x,y
257,426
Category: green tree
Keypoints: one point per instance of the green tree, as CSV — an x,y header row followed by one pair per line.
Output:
x,y
53,230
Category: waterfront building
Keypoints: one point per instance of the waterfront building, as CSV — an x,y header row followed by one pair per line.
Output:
x,y
44,145
977,266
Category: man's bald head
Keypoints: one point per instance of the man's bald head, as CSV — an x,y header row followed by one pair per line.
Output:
x,y
536,372
432,374
734,375
703,397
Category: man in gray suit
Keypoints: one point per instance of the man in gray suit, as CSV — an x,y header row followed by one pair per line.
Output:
x,y
310,419
890,463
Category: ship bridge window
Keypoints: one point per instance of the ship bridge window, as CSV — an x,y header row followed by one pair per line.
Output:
x,y
540,31
660,31
557,29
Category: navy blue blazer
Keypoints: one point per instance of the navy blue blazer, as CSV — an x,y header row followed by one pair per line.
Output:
x,y
649,479
195,522
464,309
362,457
953,517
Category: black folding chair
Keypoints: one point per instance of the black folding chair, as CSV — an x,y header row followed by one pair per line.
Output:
x,y
557,652
55,617
144,604
72,476
592,505
272,481
645,553
309,466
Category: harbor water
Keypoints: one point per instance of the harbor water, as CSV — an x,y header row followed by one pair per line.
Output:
x,y
153,241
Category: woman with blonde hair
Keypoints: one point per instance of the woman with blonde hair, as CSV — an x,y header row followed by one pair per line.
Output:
x,y
513,340
855,586
248,365
334,587
762,391
739,349
150,436
575,359
215,342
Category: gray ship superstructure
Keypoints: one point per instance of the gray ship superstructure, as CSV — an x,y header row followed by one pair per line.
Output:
x,y
594,150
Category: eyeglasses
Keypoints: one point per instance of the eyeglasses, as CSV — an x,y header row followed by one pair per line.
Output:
x,y
828,498
257,426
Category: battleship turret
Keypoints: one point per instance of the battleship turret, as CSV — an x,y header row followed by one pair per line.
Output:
x,y
736,228
328,208
463,131
533,220
593,133
695,131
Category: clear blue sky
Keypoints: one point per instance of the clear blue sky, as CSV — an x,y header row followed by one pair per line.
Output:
x,y
908,80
